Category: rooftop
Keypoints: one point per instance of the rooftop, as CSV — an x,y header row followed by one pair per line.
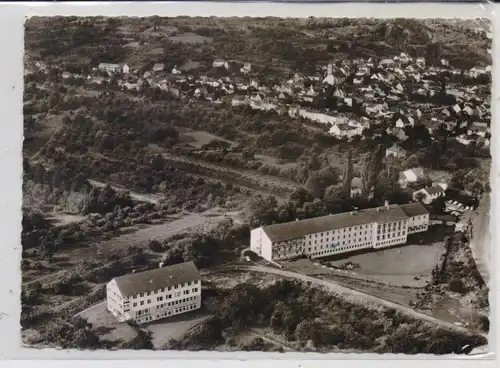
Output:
x,y
300,228
414,209
157,278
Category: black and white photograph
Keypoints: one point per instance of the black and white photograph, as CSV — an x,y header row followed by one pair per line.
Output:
x,y
242,184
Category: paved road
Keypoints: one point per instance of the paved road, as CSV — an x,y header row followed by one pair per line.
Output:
x,y
481,238
358,296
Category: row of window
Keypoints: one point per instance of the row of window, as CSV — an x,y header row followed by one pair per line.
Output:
x,y
348,229
177,302
160,298
389,242
166,314
160,291
417,228
339,249
356,239
391,235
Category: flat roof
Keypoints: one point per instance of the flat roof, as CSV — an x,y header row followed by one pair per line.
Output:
x,y
300,228
157,278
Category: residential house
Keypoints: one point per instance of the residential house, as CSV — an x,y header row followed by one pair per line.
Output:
x,y
239,100
158,67
478,130
410,176
155,294
395,151
247,68
464,140
356,187
345,130
420,62
220,63
430,194
405,121
110,68
293,110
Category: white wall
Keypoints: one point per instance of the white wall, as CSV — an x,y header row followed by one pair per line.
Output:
x,y
346,240
391,233
114,300
418,223
267,247
165,302
256,240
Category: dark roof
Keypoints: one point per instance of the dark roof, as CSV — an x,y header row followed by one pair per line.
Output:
x,y
298,229
157,278
414,209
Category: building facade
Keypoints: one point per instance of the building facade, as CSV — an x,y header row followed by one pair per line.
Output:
x,y
155,294
335,234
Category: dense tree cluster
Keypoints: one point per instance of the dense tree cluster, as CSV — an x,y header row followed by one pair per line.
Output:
x,y
283,305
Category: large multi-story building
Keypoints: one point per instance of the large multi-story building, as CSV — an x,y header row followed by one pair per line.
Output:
x,y
155,294
346,232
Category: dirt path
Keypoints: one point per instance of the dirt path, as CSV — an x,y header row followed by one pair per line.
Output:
x,y
358,296
266,338
192,221
248,175
151,198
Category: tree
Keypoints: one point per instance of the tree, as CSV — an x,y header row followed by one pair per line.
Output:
x,y
348,174
371,170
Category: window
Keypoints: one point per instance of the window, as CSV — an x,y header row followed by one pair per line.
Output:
x,y
163,290
142,295
159,299
149,301
170,288
142,302
134,305
149,293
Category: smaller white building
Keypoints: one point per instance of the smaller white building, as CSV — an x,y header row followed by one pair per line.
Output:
x,y
110,68
247,68
430,194
346,130
410,176
220,63
155,294
395,151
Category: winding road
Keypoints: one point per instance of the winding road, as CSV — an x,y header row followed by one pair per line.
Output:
x,y
357,296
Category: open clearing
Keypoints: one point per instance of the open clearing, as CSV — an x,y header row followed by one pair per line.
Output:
x,y
272,161
190,38
200,138
63,219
